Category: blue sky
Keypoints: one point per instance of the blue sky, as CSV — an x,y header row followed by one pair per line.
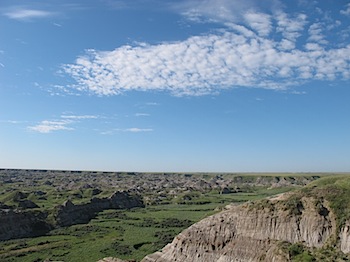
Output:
x,y
186,85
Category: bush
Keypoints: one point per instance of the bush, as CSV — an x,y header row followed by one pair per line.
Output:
x,y
174,222
295,249
304,257
298,253
117,248
164,237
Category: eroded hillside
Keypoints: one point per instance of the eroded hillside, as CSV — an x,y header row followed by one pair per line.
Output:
x,y
311,224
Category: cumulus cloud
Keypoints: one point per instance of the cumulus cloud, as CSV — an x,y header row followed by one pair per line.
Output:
x,y
346,11
290,27
47,126
253,49
316,35
205,64
259,22
24,14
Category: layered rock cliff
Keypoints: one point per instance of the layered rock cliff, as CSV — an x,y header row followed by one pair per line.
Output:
x,y
264,231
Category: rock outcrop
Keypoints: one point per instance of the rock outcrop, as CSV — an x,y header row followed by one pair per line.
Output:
x,y
344,238
255,231
70,214
16,223
111,259
25,204
19,224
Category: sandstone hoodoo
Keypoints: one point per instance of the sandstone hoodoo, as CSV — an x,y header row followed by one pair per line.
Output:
x,y
312,224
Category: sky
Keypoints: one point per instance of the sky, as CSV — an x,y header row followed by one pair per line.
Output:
x,y
175,86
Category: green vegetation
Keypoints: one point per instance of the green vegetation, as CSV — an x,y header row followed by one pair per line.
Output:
x,y
336,190
298,253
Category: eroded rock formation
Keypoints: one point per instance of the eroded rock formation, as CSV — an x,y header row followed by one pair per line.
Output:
x,y
70,214
111,259
18,224
15,223
254,232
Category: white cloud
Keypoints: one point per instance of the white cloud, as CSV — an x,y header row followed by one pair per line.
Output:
x,y
316,35
290,27
50,126
152,104
60,90
142,114
127,130
346,11
205,64
221,11
314,47
77,117
64,123
241,30
23,14
259,22
211,10
137,130
286,45
253,49
107,132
